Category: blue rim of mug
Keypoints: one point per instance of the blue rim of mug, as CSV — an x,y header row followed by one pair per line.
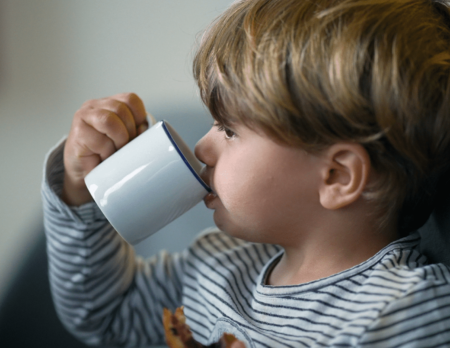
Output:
x,y
184,158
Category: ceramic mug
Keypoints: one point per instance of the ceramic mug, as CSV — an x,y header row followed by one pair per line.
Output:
x,y
147,183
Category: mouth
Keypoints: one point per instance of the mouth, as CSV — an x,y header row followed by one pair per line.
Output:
x,y
209,199
211,196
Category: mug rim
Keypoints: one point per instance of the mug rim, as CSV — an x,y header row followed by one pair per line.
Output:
x,y
183,157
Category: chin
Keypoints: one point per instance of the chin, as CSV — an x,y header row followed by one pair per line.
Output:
x,y
238,232
239,227
227,227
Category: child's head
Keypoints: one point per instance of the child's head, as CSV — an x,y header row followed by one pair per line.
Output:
x,y
314,73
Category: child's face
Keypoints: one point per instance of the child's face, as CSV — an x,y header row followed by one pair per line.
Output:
x,y
263,191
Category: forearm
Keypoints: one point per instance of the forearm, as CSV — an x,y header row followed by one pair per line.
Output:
x,y
90,267
102,292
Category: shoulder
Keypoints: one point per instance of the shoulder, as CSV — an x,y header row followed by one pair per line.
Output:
x,y
215,249
213,241
423,282
403,271
218,241
417,310
419,317
422,285
406,264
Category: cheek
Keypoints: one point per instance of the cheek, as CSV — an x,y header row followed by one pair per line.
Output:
x,y
244,188
231,184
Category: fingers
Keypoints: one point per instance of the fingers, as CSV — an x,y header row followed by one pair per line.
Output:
x,y
134,104
123,112
106,123
142,128
85,148
99,128
121,117
93,142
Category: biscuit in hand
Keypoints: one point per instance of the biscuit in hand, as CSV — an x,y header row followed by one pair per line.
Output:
x,y
179,335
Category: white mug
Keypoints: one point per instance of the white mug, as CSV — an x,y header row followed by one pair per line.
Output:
x,y
148,183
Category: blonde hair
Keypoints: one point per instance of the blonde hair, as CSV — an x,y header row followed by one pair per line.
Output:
x,y
313,73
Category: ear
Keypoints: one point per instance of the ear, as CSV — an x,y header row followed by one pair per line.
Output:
x,y
344,175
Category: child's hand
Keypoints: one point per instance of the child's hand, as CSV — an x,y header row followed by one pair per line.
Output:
x,y
99,128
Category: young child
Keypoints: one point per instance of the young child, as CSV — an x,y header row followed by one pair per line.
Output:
x,y
331,125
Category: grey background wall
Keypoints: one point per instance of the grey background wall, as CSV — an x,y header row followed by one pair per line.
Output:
x,y
54,55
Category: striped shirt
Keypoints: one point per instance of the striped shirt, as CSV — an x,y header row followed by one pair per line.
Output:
x,y
105,294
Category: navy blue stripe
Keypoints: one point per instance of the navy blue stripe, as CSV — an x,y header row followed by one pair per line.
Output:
x,y
244,276
233,298
421,325
443,277
340,298
150,312
219,276
431,299
260,258
205,276
406,282
443,344
201,260
408,318
230,260
220,299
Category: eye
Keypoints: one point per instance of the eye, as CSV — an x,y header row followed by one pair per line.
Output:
x,y
229,134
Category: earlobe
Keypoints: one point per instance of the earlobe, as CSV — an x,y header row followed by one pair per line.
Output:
x,y
344,175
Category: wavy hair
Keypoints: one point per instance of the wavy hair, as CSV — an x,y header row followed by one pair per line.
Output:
x,y
312,73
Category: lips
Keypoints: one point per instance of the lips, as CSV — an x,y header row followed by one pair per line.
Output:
x,y
210,197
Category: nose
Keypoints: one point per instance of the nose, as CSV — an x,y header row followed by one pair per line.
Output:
x,y
204,150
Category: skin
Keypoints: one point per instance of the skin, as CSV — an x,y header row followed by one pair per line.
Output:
x,y
311,205
265,192
99,128
260,187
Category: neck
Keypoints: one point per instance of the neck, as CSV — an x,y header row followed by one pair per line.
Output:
x,y
331,248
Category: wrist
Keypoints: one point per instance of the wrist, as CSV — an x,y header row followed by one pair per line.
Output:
x,y
75,192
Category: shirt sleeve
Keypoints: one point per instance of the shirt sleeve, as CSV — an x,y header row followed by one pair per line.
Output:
x,y
103,292
419,318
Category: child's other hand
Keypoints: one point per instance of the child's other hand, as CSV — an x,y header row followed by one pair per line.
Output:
x,y
237,344
99,128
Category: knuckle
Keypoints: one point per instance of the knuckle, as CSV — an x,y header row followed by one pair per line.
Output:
x,y
77,131
88,103
121,108
84,111
122,140
78,116
78,119
131,98
106,119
